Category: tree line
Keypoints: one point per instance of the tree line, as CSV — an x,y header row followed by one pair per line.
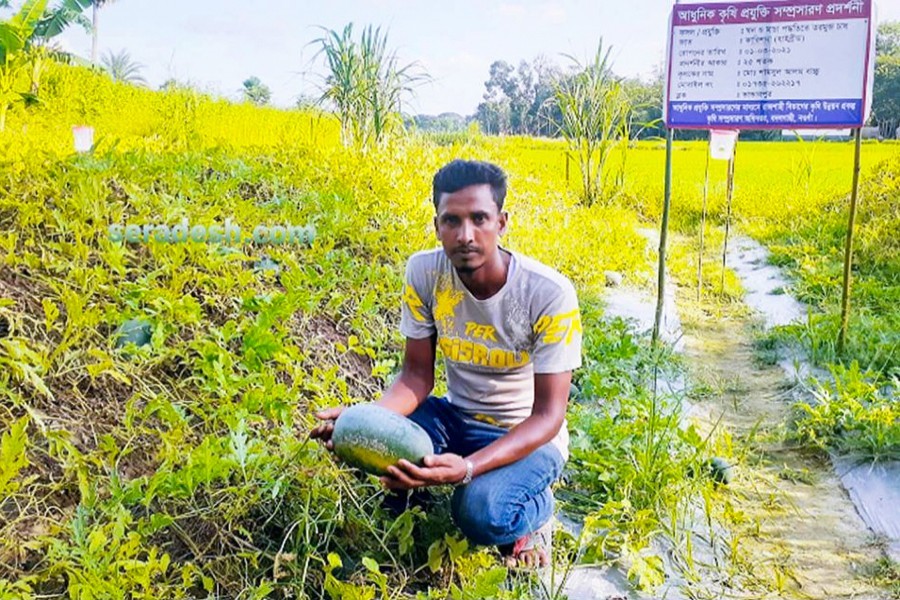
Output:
x,y
520,100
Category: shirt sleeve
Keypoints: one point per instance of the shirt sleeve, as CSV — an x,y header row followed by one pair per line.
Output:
x,y
557,333
416,318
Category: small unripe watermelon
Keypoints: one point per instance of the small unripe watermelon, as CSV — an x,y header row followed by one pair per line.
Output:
x,y
721,470
267,265
136,331
373,438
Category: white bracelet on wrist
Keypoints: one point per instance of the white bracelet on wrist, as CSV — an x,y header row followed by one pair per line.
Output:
x,y
470,469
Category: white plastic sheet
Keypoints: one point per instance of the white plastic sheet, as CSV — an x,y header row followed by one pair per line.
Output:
x,y
83,138
721,143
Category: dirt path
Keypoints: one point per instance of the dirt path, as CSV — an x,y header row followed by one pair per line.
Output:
x,y
810,540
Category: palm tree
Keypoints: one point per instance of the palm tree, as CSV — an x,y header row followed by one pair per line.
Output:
x,y
97,5
121,68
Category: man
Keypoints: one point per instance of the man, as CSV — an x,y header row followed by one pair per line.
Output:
x,y
509,329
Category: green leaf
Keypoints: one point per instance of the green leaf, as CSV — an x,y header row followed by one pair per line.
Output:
x,y
13,445
487,583
96,540
456,547
28,16
404,526
239,446
435,555
647,572
55,21
371,565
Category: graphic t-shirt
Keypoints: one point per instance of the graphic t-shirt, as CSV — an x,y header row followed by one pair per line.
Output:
x,y
492,348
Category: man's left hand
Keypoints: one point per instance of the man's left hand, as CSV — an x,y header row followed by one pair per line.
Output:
x,y
438,469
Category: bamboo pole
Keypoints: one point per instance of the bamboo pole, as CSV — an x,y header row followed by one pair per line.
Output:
x,y
664,227
848,248
703,221
729,191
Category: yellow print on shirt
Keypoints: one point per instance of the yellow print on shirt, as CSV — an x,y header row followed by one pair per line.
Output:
x,y
445,301
413,302
558,327
477,330
472,353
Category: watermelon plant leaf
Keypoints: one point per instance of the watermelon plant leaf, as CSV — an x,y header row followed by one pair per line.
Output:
x,y
436,555
13,459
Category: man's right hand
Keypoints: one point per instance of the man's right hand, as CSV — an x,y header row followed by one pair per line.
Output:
x,y
324,430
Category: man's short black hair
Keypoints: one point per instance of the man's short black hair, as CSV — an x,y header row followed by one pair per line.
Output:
x,y
459,174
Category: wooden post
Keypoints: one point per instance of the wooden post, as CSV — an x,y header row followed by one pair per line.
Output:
x,y
729,190
848,249
703,222
664,227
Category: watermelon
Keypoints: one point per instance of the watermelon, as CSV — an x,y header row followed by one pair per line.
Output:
x,y
135,331
717,468
720,470
267,265
373,438
228,250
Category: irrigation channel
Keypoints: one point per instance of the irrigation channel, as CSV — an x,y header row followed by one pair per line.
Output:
x,y
812,525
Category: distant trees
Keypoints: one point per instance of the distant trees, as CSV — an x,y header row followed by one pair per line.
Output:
x,y
597,112
256,91
305,102
886,87
523,100
448,122
122,68
515,100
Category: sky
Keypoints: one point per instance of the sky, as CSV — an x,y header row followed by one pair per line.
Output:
x,y
217,44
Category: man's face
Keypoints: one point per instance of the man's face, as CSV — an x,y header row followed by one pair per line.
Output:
x,y
469,226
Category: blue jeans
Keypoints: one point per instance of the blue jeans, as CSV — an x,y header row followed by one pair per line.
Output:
x,y
502,505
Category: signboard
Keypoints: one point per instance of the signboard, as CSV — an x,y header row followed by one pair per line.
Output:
x,y
769,65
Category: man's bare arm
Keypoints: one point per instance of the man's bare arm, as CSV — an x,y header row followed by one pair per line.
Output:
x,y
551,398
416,378
415,382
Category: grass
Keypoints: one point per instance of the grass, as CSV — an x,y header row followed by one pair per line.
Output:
x,y
885,572
182,469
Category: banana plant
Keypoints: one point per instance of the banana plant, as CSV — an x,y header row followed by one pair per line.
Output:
x,y
23,46
15,35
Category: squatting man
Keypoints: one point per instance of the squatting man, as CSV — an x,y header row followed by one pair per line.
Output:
x,y
509,329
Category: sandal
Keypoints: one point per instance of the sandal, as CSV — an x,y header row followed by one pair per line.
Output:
x,y
539,541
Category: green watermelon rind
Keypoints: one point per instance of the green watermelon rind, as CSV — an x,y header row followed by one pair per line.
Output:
x,y
372,438
135,331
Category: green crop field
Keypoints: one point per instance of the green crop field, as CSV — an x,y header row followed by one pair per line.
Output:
x,y
183,468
